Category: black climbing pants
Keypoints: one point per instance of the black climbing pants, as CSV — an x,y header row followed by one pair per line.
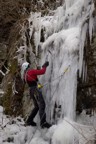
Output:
x,y
39,105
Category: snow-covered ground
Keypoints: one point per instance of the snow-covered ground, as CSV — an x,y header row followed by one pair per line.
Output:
x,y
13,131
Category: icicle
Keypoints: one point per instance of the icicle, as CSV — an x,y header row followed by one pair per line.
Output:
x,y
22,50
84,73
37,25
31,24
91,21
81,50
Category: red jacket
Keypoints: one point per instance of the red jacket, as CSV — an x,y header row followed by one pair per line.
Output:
x,y
31,75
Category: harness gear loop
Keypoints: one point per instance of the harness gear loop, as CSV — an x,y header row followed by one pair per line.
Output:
x,y
40,86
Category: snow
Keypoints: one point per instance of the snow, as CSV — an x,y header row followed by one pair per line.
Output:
x,y
63,134
13,131
91,22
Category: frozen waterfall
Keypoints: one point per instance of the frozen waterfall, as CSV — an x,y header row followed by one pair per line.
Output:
x,y
65,36
64,39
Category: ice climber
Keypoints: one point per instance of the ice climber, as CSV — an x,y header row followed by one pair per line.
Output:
x,y
31,78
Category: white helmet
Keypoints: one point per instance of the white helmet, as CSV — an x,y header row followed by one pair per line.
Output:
x,y
23,68
25,65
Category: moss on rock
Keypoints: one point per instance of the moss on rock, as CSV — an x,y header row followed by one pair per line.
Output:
x,y
7,100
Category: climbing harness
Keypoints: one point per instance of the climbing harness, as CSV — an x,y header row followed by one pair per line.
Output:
x,y
39,86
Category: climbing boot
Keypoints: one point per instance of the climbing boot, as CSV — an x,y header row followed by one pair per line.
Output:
x,y
32,123
46,125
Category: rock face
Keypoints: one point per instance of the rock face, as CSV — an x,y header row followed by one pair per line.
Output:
x,y
45,5
3,54
86,93
13,16
86,98
13,23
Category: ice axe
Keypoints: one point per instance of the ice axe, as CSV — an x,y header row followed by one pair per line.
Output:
x,y
49,52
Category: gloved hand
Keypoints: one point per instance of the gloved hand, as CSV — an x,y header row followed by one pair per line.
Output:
x,y
46,64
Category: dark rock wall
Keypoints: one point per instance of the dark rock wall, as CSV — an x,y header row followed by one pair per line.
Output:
x,y
14,15
86,92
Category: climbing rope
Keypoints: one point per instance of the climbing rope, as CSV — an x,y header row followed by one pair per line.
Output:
x,y
41,86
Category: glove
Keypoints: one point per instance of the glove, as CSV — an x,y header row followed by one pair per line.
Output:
x,y
46,64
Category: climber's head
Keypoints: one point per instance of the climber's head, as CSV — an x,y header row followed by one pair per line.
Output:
x,y
25,65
